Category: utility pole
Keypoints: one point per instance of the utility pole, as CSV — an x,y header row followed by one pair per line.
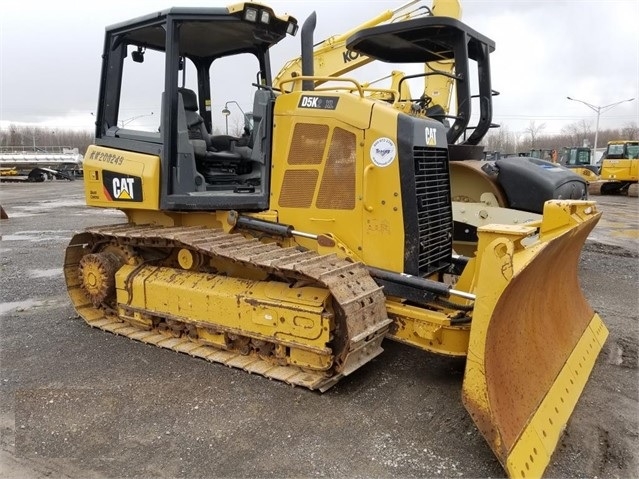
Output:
x,y
226,112
123,123
599,110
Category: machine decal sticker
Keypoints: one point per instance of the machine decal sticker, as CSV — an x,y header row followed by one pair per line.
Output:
x,y
119,187
431,136
318,102
383,152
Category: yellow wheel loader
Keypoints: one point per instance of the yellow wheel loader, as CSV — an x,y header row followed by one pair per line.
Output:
x,y
619,166
296,248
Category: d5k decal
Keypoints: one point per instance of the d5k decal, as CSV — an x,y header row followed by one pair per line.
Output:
x,y
318,102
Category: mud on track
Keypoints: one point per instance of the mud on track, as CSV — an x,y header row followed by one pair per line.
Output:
x,y
76,402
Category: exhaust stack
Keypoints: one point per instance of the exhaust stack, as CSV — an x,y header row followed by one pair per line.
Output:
x,y
307,51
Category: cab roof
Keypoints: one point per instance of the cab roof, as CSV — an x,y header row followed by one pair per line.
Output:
x,y
207,31
419,40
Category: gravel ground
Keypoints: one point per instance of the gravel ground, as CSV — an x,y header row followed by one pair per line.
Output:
x,y
76,402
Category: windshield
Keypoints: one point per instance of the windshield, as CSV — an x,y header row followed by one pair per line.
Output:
x,y
633,150
615,151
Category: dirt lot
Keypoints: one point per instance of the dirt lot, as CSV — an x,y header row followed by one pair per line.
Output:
x,y
76,402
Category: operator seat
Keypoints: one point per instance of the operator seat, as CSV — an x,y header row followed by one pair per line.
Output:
x,y
210,162
198,136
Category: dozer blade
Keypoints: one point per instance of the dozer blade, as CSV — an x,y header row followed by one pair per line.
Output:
x,y
534,338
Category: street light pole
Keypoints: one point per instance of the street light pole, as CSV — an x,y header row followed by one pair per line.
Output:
x,y
599,110
123,123
226,112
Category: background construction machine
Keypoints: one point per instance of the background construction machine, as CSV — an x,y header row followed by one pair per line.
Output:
x,y
294,250
548,154
577,159
615,173
619,166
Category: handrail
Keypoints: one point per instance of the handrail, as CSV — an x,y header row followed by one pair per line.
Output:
x,y
358,86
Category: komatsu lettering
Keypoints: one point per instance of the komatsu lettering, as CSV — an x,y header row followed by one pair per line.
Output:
x,y
350,55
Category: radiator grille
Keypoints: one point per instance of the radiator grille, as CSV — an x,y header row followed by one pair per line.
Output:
x,y
337,190
434,208
298,188
308,143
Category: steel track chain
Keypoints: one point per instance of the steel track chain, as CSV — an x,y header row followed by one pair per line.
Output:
x,y
360,299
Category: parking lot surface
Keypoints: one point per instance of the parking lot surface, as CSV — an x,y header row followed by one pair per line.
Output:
x,y
76,402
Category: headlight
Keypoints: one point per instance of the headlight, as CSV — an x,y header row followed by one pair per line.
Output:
x,y
265,17
291,29
250,14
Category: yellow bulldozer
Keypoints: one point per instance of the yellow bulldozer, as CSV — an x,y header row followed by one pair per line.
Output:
x,y
296,248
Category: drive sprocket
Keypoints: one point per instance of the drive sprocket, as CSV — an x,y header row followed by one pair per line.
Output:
x,y
97,275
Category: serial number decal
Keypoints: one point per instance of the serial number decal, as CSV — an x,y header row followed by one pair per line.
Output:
x,y
111,158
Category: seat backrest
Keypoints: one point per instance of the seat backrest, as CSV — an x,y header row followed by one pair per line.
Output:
x,y
260,104
194,122
260,107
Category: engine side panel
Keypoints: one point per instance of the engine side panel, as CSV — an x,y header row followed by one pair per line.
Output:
x,y
121,179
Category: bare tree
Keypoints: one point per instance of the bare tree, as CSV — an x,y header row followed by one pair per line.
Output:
x,y
39,138
579,132
571,132
585,129
501,140
630,131
534,130
236,126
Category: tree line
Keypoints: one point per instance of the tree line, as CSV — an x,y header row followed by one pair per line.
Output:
x,y
25,138
575,134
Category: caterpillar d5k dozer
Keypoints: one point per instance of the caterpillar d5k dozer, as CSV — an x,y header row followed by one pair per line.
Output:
x,y
293,250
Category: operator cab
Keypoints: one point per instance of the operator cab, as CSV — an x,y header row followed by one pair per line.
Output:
x,y
204,76
578,157
622,150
